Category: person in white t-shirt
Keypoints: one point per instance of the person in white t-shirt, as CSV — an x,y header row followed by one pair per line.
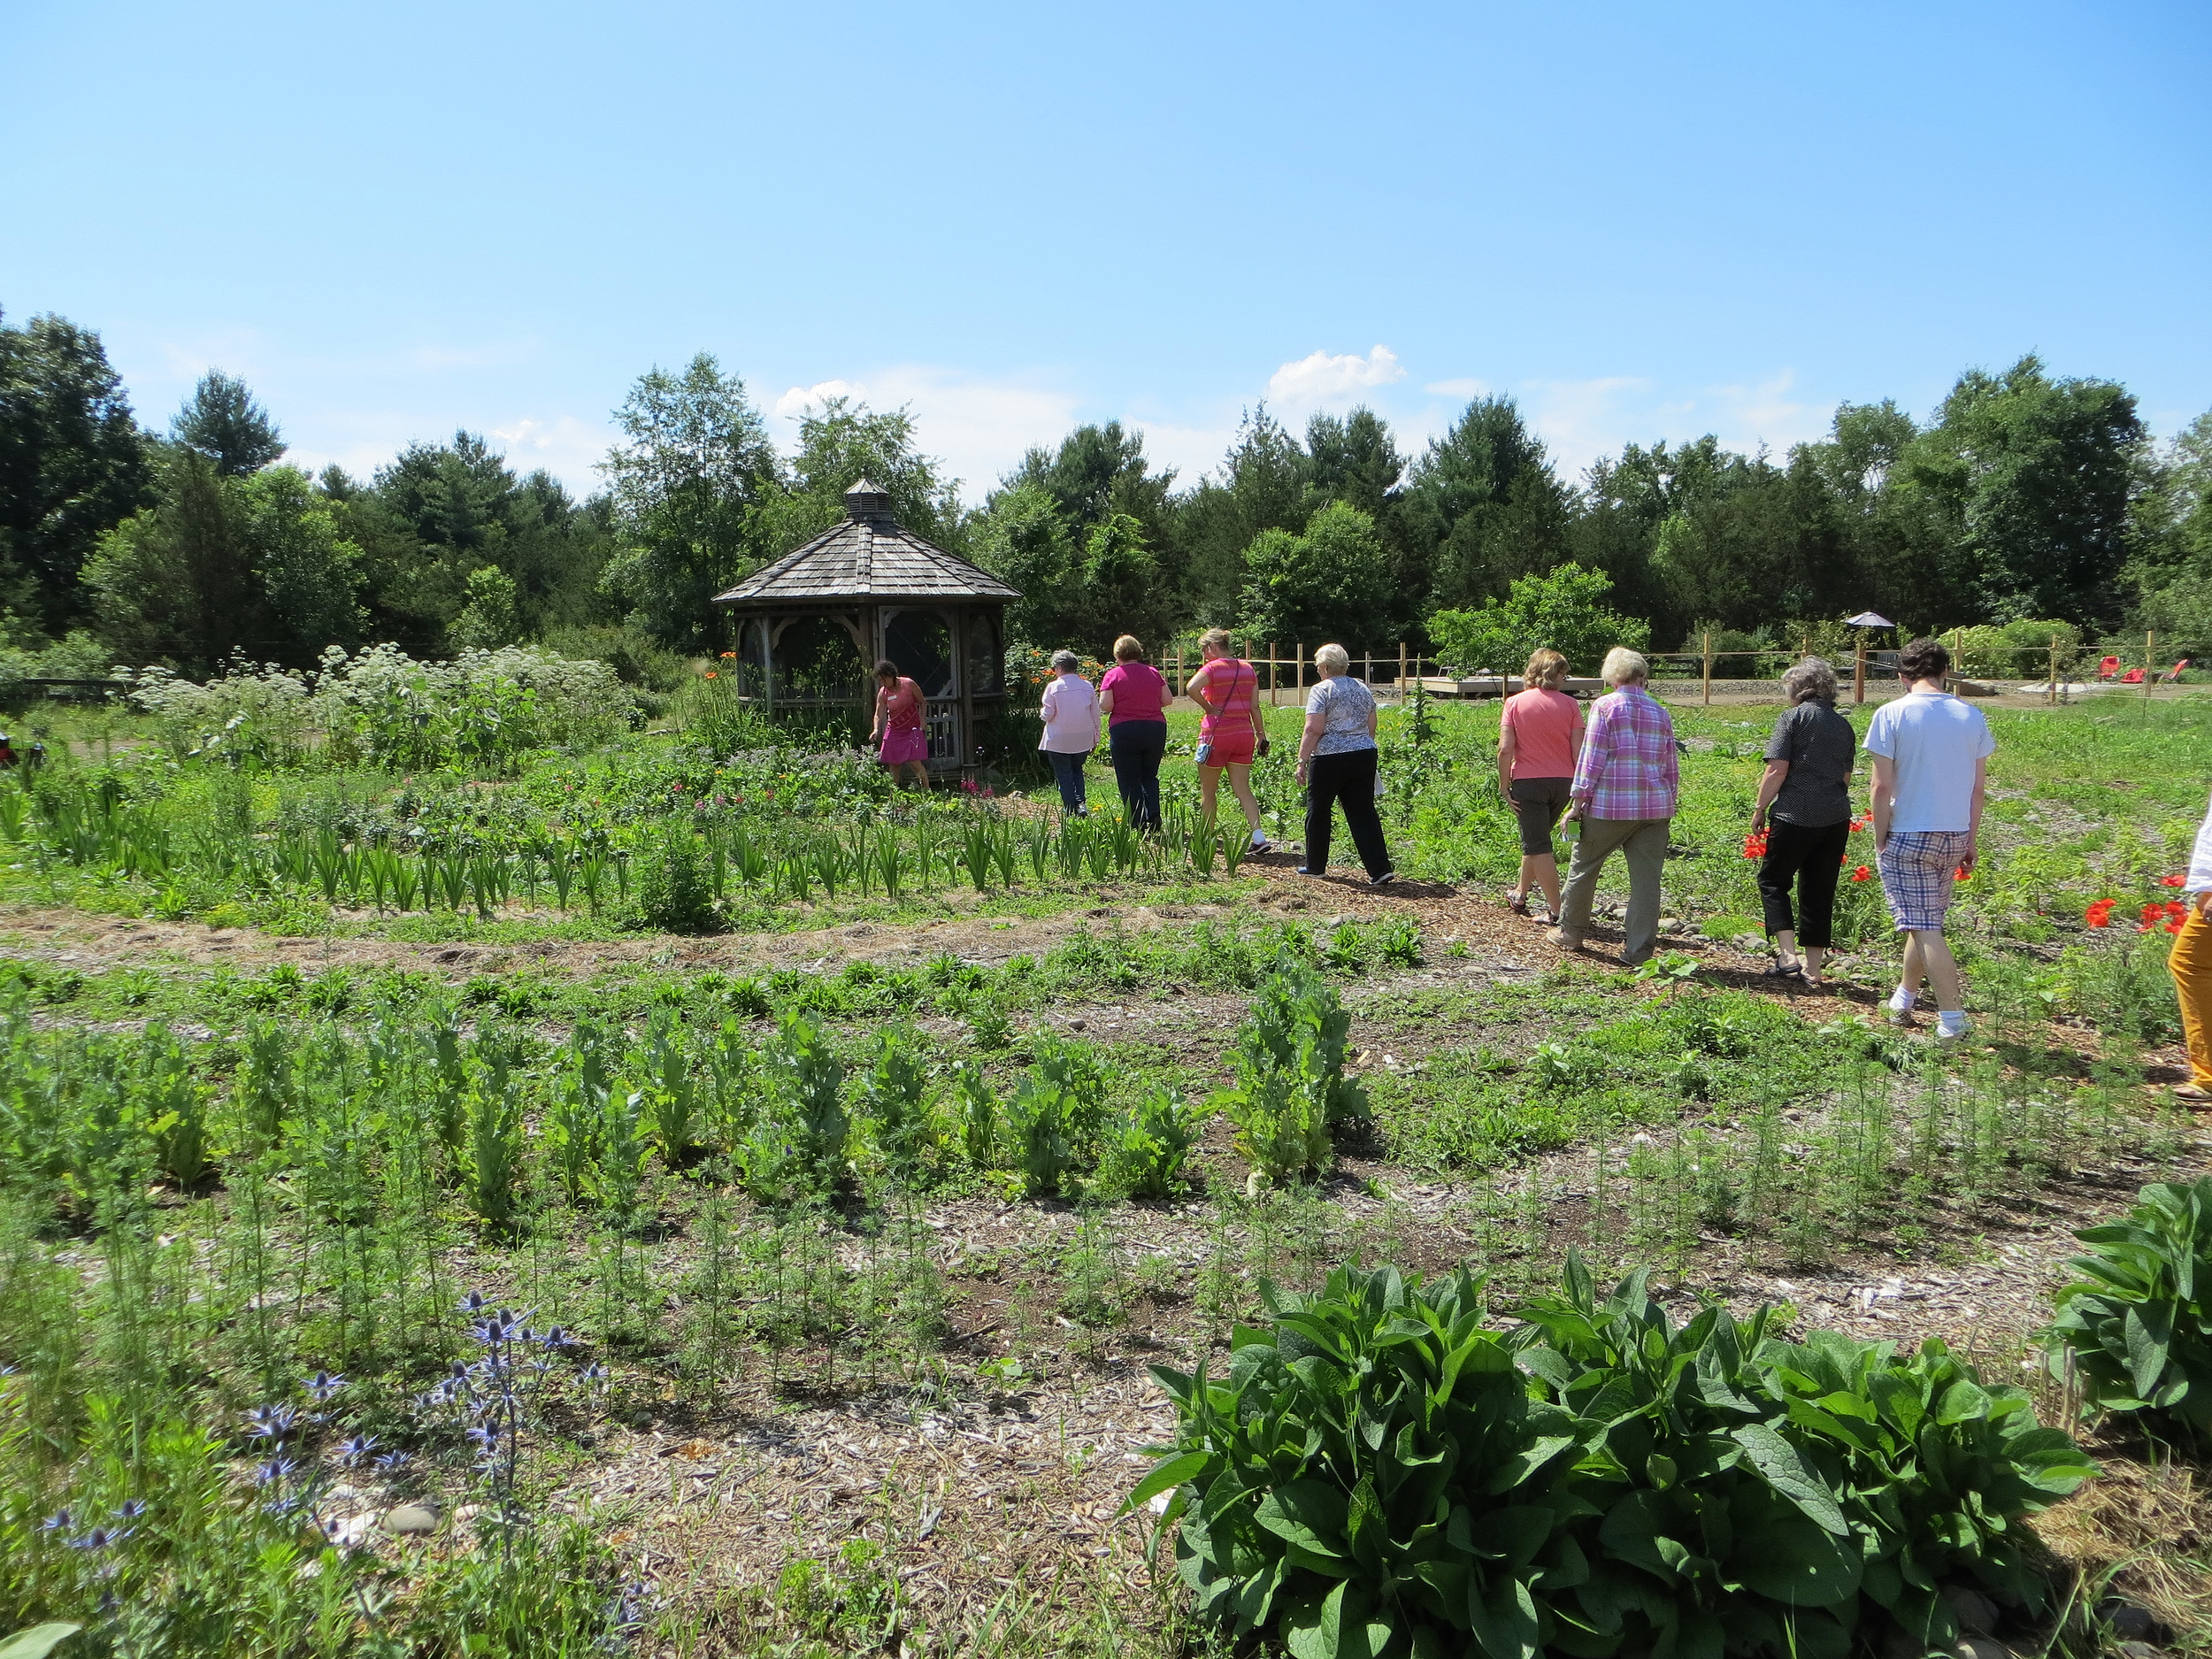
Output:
x,y
1931,753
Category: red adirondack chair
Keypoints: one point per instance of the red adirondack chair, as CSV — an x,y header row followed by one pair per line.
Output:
x,y
2108,668
2133,676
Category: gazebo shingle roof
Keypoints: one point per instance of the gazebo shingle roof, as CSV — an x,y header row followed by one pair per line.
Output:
x,y
870,557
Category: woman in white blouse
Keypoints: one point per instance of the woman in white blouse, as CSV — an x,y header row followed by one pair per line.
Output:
x,y
1070,712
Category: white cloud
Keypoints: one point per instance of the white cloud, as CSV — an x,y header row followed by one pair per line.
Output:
x,y
1319,380
802,400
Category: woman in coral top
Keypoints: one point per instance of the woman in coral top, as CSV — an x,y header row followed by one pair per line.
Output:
x,y
1230,736
1539,739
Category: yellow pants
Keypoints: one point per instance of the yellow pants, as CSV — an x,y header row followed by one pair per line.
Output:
x,y
2191,963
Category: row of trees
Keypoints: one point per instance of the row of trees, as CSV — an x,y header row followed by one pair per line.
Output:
x,y
2023,496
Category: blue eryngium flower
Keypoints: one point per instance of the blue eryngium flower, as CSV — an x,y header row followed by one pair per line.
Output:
x,y
322,1385
130,1509
271,1422
100,1538
391,1463
354,1449
59,1521
474,1302
275,1470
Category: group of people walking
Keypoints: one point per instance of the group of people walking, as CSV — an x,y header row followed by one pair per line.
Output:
x,y
1619,775
1337,757
1616,774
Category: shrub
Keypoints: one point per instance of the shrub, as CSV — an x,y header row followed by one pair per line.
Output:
x,y
1382,1476
675,893
2137,1325
1563,609
1038,1120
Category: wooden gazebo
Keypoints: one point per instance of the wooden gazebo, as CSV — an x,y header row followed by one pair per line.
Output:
x,y
812,625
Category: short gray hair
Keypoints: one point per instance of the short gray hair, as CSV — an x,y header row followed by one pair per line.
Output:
x,y
1814,678
1065,662
1332,659
1624,666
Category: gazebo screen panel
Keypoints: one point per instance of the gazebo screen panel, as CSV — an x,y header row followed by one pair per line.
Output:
x,y
816,660
986,662
920,642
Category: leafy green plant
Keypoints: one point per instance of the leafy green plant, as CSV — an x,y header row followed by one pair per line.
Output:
x,y
979,1110
1382,1476
2136,1326
799,1141
1374,1477
895,1093
495,1165
1038,1122
1291,1085
1147,1145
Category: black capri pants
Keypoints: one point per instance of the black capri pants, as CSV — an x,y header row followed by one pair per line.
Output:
x,y
1811,859
1537,804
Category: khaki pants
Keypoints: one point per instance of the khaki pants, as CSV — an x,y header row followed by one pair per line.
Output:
x,y
2191,963
1644,841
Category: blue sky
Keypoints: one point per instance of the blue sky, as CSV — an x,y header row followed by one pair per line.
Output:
x,y
1641,221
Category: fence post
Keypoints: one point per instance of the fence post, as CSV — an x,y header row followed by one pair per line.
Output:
x,y
1858,676
1401,668
1270,673
1709,668
1367,669
1298,673
2150,664
2050,692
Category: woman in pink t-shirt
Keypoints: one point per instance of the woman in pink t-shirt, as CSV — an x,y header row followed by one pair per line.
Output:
x,y
1133,697
1539,739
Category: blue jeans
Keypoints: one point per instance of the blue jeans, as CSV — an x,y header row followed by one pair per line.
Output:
x,y
1067,771
1137,747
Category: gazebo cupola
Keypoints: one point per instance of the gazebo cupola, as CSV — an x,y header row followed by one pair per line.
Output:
x,y
812,625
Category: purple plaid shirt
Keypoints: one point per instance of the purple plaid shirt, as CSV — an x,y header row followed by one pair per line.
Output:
x,y
1628,766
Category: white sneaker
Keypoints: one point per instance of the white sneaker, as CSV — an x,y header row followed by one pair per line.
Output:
x,y
1951,1027
1901,1004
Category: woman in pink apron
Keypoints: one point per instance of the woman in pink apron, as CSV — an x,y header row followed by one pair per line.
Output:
x,y
898,728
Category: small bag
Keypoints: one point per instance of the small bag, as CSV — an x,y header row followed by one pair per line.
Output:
x,y
1260,747
1205,755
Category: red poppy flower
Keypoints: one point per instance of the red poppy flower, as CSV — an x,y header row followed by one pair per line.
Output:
x,y
1755,846
712,675
2175,924
2099,913
2176,910
1861,873
1962,874
2171,882
2152,912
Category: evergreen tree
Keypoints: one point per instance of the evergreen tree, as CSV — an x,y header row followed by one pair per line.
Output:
x,y
222,423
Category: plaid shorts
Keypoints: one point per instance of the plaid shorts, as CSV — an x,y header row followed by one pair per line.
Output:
x,y
1918,868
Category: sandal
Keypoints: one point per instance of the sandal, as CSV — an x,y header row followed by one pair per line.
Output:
x,y
2193,1094
1775,971
1519,903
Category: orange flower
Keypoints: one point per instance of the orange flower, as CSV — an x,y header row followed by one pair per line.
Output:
x,y
1962,874
712,675
1861,873
2171,882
